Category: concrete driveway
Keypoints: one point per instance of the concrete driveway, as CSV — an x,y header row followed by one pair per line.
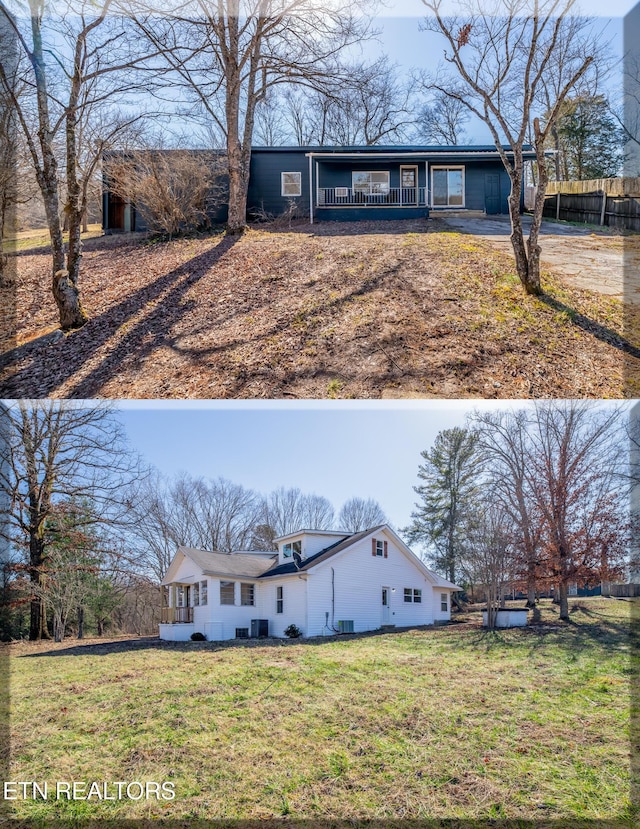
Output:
x,y
587,258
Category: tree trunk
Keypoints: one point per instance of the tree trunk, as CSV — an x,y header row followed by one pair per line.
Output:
x,y
81,623
563,596
65,291
238,186
58,627
527,266
100,627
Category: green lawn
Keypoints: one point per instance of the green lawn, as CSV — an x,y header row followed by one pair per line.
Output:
x,y
445,722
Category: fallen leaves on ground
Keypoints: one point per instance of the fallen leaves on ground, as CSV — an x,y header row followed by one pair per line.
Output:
x,y
350,310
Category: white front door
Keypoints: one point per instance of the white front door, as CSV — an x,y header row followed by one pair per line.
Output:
x,y
386,607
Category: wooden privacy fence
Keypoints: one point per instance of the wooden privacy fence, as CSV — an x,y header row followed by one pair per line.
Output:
x,y
620,590
607,202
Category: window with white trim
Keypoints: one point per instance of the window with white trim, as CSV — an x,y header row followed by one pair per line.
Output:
x,y
291,184
444,602
373,183
293,547
247,595
379,547
227,592
203,592
412,595
196,594
447,186
279,599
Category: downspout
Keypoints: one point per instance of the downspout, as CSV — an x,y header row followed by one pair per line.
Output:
x,y
310,188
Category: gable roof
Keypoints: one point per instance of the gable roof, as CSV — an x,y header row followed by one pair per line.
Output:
x,y
226,564
317,558
251,566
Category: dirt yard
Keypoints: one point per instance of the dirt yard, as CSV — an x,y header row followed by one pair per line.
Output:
x,y
366,310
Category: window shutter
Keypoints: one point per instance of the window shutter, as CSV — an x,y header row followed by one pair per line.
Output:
x,y
373,546
386,555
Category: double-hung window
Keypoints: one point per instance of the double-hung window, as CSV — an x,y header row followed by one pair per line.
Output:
x,y
291,184
227,592
203,592
412,595
247,594
279,599
444,603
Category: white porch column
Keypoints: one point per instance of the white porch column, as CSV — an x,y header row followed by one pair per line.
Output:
x,y
310,188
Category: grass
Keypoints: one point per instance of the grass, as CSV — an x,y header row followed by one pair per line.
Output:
x,y
448,722
39,238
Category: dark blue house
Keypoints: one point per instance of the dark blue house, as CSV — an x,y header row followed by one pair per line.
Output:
x,y
352,183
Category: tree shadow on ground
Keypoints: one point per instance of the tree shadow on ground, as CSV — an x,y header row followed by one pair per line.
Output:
x,y
74,352
590,326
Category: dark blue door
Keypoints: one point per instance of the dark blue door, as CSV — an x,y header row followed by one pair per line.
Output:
x,y
492,193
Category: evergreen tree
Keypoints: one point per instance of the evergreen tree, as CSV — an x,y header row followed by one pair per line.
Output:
x,y
447,498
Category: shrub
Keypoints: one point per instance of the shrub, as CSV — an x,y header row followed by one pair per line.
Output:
x,y
293,632
198,637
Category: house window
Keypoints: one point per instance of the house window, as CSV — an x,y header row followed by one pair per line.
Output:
x,y
279,599
447,186
203,592
289,549
247,594
227,592
372,183
444,603
417,596
291,184
196,594
411,595
379,547
182,596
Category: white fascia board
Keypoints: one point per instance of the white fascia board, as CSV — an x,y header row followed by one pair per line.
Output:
x,y
176,561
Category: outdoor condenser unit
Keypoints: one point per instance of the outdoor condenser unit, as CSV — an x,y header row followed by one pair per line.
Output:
x,y
259,627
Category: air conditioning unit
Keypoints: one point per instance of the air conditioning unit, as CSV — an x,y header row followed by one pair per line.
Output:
x,y
259,627
345,626
342,192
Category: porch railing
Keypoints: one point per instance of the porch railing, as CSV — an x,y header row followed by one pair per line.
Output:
x,y
177,615
347,196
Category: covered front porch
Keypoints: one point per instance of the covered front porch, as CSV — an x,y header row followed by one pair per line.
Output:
x,y
178,602
404,182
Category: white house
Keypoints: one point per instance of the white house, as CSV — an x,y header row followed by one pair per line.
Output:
x,y
324,582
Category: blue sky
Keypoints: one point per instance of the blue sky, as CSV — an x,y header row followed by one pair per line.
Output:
x,y
370,450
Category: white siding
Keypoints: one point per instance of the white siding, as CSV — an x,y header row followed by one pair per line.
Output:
x,y
312,543
358,581
440,615
294,604
227,617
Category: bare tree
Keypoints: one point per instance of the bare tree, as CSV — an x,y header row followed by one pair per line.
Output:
x,y
490,553
288,510
500,53
442,120
359,514
504,440
51,451
573,468
227,56
68,85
